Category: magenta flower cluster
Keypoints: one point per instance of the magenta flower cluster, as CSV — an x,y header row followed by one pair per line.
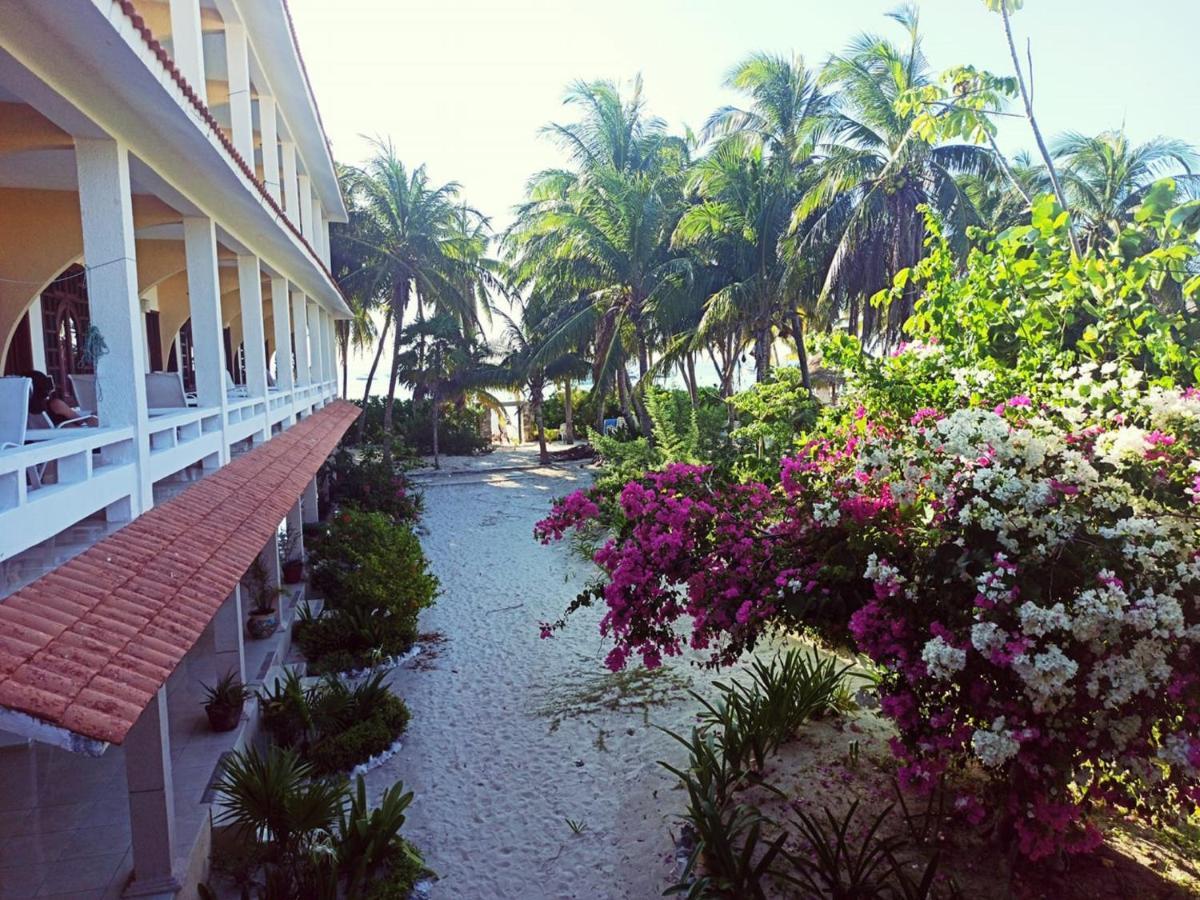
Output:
x,y
1026,578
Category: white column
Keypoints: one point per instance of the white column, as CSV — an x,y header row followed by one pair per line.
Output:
x,y
300,331
253,331
331,350
187,44
295,528
270,145
305,197
229,650
308,502
317,217
282,314
151,801
237,56
37,335
204,301
269,557
316,359
291,185
109,252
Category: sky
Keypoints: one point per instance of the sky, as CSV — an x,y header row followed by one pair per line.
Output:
x,y
464,86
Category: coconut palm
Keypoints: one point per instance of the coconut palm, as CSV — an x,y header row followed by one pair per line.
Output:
x,y
747,187
414,238
357,334
602,229
862,215
1105,177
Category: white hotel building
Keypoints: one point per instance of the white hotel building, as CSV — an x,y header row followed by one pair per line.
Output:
x,y
166,190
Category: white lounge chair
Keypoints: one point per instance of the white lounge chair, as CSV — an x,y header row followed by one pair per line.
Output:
x,y
234,391
14,410
164,390
84,389
14,419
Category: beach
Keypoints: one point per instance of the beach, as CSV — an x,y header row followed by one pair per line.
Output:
x,y
511,735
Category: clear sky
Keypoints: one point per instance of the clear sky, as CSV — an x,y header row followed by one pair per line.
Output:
x,y
464,85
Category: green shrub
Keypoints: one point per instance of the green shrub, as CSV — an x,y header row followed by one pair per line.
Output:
x,y
462,431
342,750
332,725
375,580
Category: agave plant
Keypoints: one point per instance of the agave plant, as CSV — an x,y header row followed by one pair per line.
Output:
x,y
369,839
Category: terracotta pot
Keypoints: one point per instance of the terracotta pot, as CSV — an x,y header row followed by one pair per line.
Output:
x,y
222,717
293,571
262,625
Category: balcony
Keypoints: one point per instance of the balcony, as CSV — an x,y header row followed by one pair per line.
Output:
x,y
67,489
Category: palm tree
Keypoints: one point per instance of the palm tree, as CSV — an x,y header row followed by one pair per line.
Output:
x,y
413,237
358,333
526,364
1105,177
862,215
602,229
747,187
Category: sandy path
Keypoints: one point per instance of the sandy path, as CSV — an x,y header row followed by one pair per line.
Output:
x,y
512,735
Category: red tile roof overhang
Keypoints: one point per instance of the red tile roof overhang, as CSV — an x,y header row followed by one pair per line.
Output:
x,y
85,648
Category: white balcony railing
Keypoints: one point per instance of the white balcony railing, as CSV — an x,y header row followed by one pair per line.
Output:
x,y
59,478
182,437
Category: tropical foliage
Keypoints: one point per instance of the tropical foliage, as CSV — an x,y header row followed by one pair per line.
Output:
x,y
1001,515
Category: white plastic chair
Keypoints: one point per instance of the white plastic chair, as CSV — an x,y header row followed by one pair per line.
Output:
x,y
164,390
14,410
14,419
84,389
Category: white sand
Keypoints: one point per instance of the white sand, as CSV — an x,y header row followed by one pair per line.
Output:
x,y
512,735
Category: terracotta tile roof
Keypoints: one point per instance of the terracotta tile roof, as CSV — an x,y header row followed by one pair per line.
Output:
x,y
86,646
247,168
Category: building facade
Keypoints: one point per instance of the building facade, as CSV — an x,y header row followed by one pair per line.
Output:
x,y
166,189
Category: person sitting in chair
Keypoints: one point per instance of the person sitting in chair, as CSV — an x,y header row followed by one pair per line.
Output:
x,y
46,399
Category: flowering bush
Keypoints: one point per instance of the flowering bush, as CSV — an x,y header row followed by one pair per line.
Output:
x,y
1025,570
370,484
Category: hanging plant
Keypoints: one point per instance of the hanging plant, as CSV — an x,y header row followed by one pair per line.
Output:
x,y
94,347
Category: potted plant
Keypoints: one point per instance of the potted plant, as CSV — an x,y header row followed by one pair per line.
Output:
x,y
264,616
225,701
293,568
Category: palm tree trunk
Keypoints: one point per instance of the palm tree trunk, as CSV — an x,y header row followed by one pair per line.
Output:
x,y
624,389
693,386
568,435
535,400
399,301
436,414
801,351
762,355
1027,99
362,421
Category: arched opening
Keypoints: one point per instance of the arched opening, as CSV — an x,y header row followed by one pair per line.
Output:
x,y
65,323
